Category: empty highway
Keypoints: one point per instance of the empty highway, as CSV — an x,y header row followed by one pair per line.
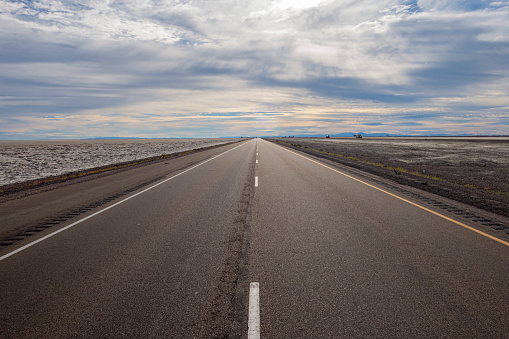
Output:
x,y
249,240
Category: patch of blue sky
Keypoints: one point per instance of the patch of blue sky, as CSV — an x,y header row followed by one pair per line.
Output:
x,y
223,114
407,124
351,89
419,116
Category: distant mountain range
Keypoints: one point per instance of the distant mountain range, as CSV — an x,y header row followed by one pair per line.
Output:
x,y
351,134
339,135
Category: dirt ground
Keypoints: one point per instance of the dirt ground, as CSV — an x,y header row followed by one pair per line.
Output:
x,y
470,170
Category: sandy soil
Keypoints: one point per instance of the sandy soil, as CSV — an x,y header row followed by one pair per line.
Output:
x,y
470,170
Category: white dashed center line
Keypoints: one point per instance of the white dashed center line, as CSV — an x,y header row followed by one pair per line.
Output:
x,y
253,331
256,181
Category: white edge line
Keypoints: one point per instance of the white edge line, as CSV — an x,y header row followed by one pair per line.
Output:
x,y
253,331
107,208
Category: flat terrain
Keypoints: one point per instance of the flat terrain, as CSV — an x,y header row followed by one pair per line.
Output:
x,y
170,250
470,170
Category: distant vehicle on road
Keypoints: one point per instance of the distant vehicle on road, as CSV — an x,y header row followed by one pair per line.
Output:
x,y
327,136
358,136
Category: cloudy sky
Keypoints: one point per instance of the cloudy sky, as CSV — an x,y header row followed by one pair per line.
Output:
x,y
212,68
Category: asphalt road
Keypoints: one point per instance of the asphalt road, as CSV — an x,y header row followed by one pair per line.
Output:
x,y
334,257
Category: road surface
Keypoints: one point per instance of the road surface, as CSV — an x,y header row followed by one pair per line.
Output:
x,y
255,240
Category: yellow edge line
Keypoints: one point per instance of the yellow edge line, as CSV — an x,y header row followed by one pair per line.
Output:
x,y
405,200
